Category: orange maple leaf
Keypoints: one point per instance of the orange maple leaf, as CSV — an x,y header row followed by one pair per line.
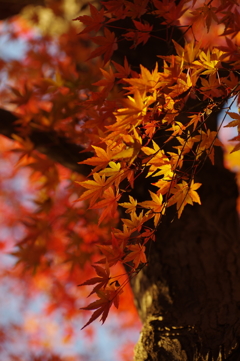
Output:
x,y
183,194
235,122
136,255
136,222
109,203
156,206
96,188
131,206
146,82
103,157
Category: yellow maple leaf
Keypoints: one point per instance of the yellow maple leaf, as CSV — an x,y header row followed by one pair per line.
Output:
x,y
146,83
103,157
131,205
183,194
157,158
156,206
177,128
186,144
195,119
211,61
133,113
136,222
187,54
131,149
164,184
95,188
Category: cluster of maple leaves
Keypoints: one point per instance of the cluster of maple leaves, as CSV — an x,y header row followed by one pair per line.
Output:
x,y
146,103
121,115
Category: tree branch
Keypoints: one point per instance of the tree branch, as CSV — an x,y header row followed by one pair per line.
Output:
x,y
49,143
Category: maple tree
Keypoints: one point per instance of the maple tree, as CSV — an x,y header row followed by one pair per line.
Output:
x,y
129,105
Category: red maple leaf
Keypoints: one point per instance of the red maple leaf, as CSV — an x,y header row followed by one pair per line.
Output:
x,y
93,22
107,45
141,35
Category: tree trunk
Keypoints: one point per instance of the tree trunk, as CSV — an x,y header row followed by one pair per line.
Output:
x,y
189,296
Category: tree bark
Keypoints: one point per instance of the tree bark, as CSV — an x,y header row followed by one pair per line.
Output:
x,y
188,296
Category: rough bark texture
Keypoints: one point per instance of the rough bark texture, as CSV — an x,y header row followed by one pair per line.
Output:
x,y
189,295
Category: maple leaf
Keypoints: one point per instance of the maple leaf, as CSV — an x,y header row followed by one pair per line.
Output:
x,y
114,171
102,280
103,157
102,306
177,129
151,128
186,144
183,194
235,122
187,54
164,184
207,140
131,150
140,36
133,113
169,10
107,45
113,252
26,144
109,203
208,13
115,8
146,82
137,254
93,22
108,82
155,205
157,158
236,147
131,206
195,119
211,60
96,188
148,234
136,222
211,87
123,71
137,8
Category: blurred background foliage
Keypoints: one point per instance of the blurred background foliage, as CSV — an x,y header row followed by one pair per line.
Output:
x,y
48,241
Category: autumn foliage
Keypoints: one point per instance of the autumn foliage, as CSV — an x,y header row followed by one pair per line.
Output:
x,y
147,121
